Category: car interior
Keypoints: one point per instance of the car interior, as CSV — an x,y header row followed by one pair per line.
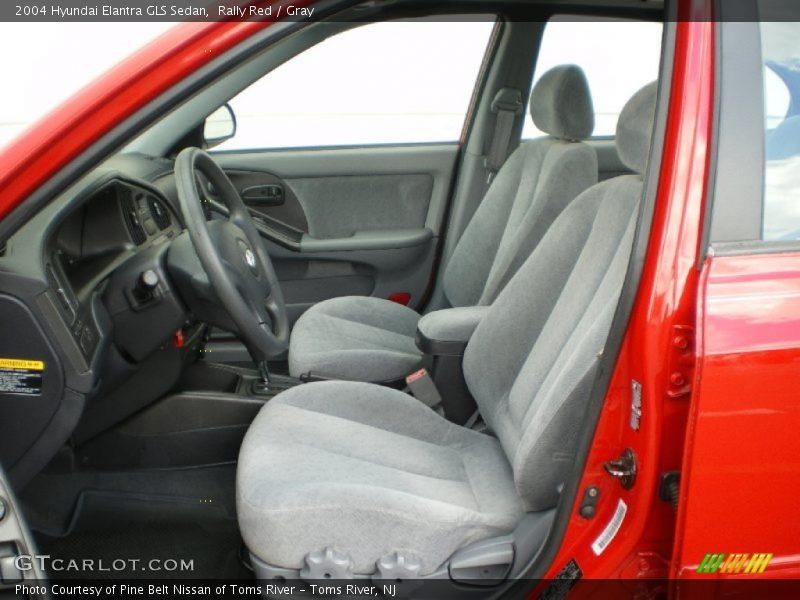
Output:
x,y
334,361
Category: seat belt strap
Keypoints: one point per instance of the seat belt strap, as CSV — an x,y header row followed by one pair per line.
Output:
x,y
473,419
422,387
507,104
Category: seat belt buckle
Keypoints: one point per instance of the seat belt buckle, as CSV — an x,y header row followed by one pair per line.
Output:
x,y
423,388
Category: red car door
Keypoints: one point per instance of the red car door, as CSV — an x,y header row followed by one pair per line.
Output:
x,y
740,478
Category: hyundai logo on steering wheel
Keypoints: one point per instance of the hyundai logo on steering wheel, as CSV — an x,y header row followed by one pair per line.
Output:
x,y
250,258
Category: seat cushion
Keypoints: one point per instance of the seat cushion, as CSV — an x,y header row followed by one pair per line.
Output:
x,y
367,470
356,338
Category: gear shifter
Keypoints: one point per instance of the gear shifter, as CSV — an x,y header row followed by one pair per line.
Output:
x,y
262,387
268,385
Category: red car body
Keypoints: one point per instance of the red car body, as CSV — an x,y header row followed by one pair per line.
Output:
x,y
714,342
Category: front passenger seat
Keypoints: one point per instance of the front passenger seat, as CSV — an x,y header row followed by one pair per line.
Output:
x,y
341,478
371,339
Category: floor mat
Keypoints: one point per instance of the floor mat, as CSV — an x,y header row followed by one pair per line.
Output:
x,y
127,534
51,500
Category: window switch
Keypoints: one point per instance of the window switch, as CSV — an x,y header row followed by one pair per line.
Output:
x,y
9,573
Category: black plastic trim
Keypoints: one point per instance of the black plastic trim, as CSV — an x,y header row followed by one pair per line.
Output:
x,y
705,238
440,347
754,247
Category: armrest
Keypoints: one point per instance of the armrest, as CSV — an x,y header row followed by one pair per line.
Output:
x,y
448,331
368,240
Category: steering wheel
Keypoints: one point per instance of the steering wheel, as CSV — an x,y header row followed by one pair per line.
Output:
x,y
234,258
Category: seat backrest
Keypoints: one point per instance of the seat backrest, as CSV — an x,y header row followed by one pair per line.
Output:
x,y
531,189
532,359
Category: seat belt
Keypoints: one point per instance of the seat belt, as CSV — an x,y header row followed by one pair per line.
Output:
x,y
473,419
422,387
507,104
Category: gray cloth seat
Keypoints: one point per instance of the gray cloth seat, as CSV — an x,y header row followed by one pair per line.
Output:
x,y
369,471
356,453
355,337
368,339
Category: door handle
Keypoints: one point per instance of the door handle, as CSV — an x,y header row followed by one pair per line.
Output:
x,y
264,195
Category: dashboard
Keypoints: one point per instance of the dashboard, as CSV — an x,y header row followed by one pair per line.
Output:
x,y
90,314
117,221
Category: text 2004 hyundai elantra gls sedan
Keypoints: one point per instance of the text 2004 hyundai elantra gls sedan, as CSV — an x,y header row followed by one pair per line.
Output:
x,y
475,299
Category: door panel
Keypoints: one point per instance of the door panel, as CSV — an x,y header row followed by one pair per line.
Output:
x,y
364,169
310,277
741,475
339,207
348,221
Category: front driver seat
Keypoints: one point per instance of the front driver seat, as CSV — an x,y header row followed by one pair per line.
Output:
x,y
335,477
372,339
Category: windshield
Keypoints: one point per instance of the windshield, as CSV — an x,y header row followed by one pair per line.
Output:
x,y
49,66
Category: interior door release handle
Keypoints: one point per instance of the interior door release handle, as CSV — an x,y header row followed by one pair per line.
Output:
x,y
264,195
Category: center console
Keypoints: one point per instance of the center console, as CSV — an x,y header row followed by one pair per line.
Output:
x,y
232,380
201,422
205,416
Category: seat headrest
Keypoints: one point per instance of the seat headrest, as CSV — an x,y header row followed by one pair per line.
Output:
x,y
561,103
635,127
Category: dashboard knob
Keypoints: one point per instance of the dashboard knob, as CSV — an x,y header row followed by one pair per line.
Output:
x,y
148,281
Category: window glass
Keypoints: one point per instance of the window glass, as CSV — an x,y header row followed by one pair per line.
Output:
x,y
618,57
776,99
780,50
382,83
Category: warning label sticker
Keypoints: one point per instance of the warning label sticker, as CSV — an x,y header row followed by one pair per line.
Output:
x,y
611,530
19,376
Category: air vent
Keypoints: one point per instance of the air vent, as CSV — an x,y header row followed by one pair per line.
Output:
x,y
131,216
159,213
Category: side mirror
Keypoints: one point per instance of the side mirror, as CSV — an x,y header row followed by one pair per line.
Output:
x,y
219,126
